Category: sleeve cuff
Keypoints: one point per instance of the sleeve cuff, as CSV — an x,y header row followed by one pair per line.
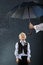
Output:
x,y
16,57
36,29
28,58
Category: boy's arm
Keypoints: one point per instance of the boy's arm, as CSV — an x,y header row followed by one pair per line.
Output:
x,y
28,53
16,52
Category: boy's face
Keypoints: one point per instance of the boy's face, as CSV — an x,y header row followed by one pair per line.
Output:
x,y
22,37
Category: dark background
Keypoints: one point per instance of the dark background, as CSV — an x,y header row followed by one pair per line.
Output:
x,y
9,30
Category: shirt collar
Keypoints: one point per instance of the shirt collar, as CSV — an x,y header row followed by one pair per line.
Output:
x,y
23,41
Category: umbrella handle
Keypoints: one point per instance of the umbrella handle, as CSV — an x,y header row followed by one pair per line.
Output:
x,y
30,33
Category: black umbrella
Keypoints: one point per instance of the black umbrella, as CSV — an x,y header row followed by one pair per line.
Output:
x,y
27,10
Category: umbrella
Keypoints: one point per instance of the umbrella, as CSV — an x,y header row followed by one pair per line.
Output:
x,y
27,10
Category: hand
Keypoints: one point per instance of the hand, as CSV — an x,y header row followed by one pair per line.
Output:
x,y
28,61
17,60
31,26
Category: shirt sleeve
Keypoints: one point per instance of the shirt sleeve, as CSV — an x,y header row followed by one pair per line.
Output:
x,y
16,50
28,52
38,27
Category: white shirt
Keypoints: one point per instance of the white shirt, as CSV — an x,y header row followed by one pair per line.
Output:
x,y
22,54
38,27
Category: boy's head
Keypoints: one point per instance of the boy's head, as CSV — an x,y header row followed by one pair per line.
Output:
x,y
22,36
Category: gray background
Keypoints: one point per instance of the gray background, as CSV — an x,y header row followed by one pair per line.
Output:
x,y
9,30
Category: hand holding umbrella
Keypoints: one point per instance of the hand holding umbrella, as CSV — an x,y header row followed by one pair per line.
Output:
x,y
31,26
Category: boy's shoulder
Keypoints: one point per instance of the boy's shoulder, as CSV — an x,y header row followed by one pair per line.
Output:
x,y
17,42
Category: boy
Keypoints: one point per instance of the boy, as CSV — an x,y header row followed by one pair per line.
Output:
x,y
22,50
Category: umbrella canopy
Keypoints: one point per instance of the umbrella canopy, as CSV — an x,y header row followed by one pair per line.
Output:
x,y
27,10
